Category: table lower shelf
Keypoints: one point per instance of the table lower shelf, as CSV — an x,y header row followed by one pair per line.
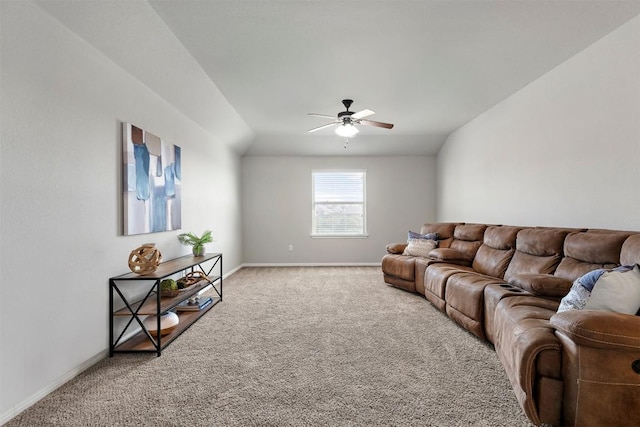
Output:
x,y
140,342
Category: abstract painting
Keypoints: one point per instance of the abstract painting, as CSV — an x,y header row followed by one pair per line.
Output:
x,y
152,182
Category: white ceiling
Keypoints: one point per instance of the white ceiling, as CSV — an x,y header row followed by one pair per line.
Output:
x,y
427,66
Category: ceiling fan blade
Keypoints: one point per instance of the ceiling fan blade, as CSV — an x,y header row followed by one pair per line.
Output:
x,y
377,124
363,113
321,115
322,127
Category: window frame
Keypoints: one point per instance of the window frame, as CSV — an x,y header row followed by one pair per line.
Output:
x,y
314,203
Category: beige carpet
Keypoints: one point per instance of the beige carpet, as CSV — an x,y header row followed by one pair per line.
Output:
x,y
321,346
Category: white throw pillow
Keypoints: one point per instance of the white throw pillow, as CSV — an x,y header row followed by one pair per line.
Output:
x,y
420,247
616,291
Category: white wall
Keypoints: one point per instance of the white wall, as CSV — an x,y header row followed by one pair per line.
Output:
x,y
563,151
62,105
276,197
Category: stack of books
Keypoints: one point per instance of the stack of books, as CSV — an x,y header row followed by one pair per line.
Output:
x,y
196,305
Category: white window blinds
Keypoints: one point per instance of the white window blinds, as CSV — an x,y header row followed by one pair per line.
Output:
x,y
339,203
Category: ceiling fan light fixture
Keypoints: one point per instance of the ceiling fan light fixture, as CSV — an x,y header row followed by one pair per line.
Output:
x,y
347,130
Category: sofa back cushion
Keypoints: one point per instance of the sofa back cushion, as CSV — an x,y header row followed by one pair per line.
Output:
x,y
496,251
538,251
584,252
445,232
467,239
470,232
630,252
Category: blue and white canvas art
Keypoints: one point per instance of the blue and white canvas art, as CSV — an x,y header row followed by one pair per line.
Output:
x,y
152,182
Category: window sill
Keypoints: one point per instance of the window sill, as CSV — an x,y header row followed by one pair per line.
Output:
x,y
339,236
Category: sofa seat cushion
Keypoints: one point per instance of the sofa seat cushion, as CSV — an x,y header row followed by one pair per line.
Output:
x,y
529,350
493,294
465,300
435,281
421,265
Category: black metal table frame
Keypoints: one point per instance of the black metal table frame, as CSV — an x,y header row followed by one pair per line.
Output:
x,y
155,287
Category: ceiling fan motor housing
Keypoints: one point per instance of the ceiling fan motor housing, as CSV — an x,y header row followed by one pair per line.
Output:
x,y
346,115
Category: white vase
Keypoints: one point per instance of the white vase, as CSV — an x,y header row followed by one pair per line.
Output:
x,y
168,322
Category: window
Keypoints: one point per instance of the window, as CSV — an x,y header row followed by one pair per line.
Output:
x,y
339,208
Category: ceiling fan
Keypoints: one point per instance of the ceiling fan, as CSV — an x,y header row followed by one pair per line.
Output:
x,y
347,119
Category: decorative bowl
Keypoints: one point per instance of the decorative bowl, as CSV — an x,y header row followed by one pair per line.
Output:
x,y
168,322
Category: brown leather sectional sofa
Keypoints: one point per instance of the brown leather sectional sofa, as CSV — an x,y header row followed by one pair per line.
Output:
x,y
504,285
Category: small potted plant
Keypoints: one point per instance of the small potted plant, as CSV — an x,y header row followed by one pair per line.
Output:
x,y
197,243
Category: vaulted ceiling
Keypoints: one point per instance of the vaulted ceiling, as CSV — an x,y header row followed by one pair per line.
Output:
x,y
427,66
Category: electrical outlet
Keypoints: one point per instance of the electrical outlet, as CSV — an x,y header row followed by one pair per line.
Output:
x,y
290,248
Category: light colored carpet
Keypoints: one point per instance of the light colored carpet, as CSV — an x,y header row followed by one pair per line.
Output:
x,y
317,346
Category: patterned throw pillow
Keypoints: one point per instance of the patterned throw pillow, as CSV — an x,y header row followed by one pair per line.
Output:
x,y
428,236
580,291
615,290
420,247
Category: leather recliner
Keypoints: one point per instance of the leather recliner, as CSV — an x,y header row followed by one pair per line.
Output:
x,y
570,368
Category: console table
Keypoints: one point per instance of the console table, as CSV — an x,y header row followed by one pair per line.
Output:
x,y
140,295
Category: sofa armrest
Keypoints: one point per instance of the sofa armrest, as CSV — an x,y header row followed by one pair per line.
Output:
x,y
599,329
451,256
396,248
542,285
600,367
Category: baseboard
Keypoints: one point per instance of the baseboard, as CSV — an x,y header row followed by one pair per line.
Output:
x,y
229,273
17,409
313,264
